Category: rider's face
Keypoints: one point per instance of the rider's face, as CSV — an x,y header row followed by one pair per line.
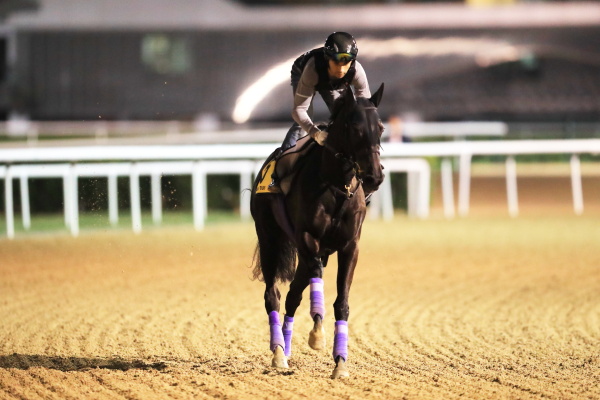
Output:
x,y
338,70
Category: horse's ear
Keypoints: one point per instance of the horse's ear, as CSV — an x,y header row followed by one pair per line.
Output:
x,y
376,98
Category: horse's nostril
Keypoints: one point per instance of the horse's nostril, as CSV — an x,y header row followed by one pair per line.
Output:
x,y
372,181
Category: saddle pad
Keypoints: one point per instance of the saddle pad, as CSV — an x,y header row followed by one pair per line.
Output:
x,y
266,179
285,165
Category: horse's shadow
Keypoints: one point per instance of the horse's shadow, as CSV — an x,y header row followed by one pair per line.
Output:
x,y
26,361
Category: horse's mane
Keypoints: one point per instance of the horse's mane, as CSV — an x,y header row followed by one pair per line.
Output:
x,y
340,103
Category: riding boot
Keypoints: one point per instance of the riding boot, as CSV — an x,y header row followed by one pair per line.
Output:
x,y
292,136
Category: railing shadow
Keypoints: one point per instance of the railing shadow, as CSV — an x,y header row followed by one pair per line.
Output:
x,y
26,361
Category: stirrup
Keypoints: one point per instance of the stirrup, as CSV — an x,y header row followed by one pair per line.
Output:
x,y
274,180
274,186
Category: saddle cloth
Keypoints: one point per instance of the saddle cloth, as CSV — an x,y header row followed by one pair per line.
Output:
x,y
285,165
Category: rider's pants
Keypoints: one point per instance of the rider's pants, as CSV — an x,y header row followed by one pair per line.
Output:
x,y
292,136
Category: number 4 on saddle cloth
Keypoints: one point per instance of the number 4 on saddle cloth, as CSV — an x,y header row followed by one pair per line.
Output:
x,y
286,164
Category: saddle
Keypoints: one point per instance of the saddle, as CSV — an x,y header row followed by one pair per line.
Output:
x,y
285,164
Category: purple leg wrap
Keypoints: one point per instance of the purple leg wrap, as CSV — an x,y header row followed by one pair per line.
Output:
x,y
340,341
317,298
276,334
288,328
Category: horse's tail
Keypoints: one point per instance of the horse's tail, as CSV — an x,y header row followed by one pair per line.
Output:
x,y
281,263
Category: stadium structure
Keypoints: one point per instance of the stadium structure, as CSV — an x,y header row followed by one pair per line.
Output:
x,y
181,59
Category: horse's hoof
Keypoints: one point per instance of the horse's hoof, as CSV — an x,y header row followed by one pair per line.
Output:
x,y
279,359
340,370
316,338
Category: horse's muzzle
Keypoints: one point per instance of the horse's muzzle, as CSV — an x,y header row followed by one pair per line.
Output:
x,y
371,182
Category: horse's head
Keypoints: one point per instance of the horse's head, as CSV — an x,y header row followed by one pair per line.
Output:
x,y
355,134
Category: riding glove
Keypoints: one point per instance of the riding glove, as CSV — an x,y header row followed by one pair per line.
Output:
x,y
320,137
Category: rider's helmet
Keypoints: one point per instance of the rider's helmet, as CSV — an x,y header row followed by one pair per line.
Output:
x,y
341,47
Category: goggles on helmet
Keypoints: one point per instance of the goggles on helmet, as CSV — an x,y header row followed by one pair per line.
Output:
x,y
342,58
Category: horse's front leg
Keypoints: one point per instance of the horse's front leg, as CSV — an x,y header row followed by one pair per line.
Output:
x,y
347,260
309,272
316,337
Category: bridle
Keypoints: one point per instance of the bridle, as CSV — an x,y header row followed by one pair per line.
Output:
x,y
350,167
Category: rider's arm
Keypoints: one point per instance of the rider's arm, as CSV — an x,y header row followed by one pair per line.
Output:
x,y
360,82
304,96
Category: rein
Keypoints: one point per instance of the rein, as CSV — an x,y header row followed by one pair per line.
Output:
x,y
354,168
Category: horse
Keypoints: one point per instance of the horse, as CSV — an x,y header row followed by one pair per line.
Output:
x,y
322,213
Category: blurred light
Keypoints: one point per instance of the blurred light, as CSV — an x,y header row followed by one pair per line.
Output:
x,y
498,56
484,51
428,47
246,103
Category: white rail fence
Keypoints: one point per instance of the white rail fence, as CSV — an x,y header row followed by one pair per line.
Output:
x,y
71,163
464,151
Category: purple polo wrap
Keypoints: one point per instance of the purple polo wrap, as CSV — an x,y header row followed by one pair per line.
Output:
x,y
340,340
276,334
317,298
288,328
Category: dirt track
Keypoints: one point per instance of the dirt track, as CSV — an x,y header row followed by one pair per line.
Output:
x,y
483,308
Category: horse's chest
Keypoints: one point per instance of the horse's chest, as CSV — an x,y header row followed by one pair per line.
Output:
x,y
338,229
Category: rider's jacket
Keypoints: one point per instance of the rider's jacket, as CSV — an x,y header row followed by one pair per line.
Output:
x,y
321,65
309,75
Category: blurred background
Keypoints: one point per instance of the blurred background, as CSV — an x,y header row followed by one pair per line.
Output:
x,y
191,60
72,69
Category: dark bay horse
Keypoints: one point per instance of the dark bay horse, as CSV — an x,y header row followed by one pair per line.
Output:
x,y
322,213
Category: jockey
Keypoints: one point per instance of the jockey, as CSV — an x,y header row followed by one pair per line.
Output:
x,y
327,70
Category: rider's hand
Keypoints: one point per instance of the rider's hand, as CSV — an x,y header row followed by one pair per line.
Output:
x,y
320,137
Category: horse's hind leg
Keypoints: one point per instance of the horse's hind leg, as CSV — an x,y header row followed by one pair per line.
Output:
x,y
292,301
276,342
294,298
268,259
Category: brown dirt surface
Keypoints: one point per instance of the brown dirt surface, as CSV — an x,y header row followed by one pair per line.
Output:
x,y
483,307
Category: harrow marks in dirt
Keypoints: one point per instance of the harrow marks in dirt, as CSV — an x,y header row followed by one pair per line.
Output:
x,y
481,308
